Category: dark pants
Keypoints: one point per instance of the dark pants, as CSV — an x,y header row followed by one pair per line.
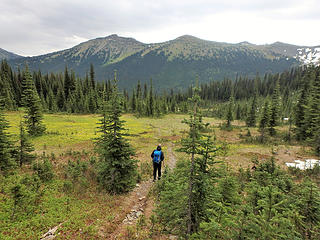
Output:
x,y
156,166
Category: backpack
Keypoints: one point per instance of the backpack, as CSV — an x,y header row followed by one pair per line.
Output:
x,y
156,156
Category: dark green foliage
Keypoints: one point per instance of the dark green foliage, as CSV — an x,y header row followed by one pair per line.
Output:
x,y
151,105
230,110
314,113
301,111
309,208
24,148
200,149
252,118
172,210
6,148
264,203
32,104
307,117
43,169
264,122
275,109
92,75
76,172
26,194
117,169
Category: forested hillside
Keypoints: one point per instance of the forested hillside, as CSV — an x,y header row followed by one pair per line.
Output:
x,y
7,55
172,64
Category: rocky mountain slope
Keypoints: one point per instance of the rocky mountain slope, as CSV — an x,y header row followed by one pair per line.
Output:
x,y
172,64
7,55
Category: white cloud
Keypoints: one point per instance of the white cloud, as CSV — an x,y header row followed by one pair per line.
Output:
x,y
37,27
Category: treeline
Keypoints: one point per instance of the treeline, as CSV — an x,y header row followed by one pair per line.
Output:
x,y
65,92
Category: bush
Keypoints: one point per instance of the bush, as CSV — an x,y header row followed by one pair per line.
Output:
x,y
44,169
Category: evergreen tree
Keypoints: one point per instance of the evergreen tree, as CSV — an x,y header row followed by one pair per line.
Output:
x,y
302,107
200,150
145,92
92,101
61,100
92,79
309,208
230,110
238,112
24,148
6,159
117,169
133,102
313,116
6,92
275,109
69,84
251,121
51,101
264,122
191,145
151,101
31,102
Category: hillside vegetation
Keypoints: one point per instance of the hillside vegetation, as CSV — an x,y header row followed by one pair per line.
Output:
x,y
171,64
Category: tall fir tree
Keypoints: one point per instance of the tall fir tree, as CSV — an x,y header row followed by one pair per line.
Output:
x,y
264,121
24,148
200,149
275,109
117,168
92,77
6,147
134,102
229,116
252,118
151,101
33,110
69,85
314,113
302,107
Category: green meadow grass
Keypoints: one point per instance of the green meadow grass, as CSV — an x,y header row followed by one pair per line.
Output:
x,y
80,212
83,212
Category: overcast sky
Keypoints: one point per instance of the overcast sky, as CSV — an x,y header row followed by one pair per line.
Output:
x,y
34,27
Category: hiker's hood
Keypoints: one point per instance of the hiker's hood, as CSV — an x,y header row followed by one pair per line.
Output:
x,y
158,148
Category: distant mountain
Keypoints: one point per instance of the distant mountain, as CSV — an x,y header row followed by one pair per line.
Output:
x,y
172,64
304,54
7,55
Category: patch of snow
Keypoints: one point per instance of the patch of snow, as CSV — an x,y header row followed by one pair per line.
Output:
x,y
308,55
303,165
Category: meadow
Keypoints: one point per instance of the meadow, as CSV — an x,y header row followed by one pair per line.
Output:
x,y
73,197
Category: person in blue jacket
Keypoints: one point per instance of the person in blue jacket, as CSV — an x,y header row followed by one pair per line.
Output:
x,y
157,157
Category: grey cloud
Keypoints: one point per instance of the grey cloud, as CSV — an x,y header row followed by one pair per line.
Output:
x,y
33,27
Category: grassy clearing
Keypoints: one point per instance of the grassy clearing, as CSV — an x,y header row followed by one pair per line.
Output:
x,y
84,209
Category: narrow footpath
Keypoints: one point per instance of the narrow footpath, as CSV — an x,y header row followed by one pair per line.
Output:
x,y
138,202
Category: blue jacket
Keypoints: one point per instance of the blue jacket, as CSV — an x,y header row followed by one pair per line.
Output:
x,y
161,156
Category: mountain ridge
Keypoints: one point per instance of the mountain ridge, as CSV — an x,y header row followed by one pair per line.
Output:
x,y
174,63
4,54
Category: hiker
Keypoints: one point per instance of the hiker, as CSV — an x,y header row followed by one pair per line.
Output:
x,y
157,157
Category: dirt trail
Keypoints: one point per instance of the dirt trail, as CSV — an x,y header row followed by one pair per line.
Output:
x,y
138,203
